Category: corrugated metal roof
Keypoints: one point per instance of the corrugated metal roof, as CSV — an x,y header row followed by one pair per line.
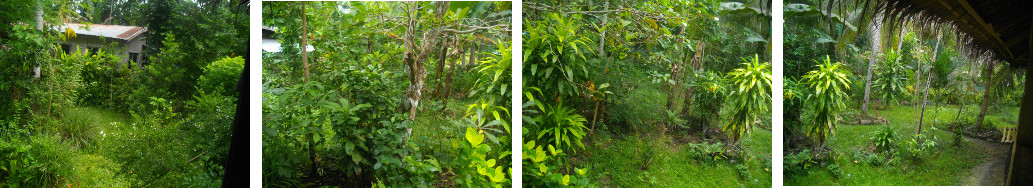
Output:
x,y
111,31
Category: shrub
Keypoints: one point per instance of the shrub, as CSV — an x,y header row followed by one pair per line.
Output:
x,y
891,80
561,126
559,123
159,151
208,126
744,171
221,76
475,168
835,170
59,84
163,77
706,152
884,140
38,161
709,96
79,127
546,169
750,97
830,83
100,76
916,148
798,163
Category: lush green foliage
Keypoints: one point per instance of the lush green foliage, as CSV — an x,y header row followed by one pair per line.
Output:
x,y
38,161
711,92
885,139
221,76
546,169
60,105
77,127
829,83
561,125
892,80
707,152
750,96
352,109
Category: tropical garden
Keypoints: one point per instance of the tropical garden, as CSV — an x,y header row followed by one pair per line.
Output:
x,y
387,94
878,96
646,94
89,119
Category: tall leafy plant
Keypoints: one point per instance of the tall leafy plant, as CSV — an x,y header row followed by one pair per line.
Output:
x,y
830,84
892,80
750,95
557,123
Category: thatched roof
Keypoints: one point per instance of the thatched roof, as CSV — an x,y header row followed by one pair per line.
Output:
x,y
1001,27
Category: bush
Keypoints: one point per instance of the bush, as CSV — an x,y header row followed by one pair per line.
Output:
x,y
873,159
830,83
102,78
221,76
38,161
209,125
884,139
561,126
798,163
916,148
708,97
163,78
58,86
706,152
750,99
159,151
475,168
547,169
78,127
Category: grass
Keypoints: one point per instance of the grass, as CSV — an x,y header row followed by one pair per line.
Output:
x,y
78,127
92,168
434,131
947,166
619,163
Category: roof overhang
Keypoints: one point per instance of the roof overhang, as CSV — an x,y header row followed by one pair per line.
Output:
x,y
120,32
1001,26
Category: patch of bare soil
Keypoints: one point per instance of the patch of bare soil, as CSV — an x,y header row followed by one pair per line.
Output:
x,y
990,172
859,119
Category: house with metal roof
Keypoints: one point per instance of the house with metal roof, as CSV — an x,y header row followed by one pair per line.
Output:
x,y
92,37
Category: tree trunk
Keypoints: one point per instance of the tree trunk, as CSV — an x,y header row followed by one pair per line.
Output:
x,y
986,94
305,66
868,76
695,63
606,68
928,84
415,54
961,107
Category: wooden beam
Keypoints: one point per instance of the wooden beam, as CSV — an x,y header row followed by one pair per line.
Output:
x,y
1015,40
995,37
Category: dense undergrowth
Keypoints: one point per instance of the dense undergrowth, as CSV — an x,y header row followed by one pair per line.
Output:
x,y
868,103
388,96
88,119
646,94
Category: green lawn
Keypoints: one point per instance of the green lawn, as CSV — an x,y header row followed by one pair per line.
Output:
x,y
618,162
949,165
91,167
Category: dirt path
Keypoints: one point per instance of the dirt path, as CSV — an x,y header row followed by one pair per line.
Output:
x,y
990,172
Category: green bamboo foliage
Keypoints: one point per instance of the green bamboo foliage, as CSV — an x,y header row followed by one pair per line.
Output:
x,y
750,93
830,84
